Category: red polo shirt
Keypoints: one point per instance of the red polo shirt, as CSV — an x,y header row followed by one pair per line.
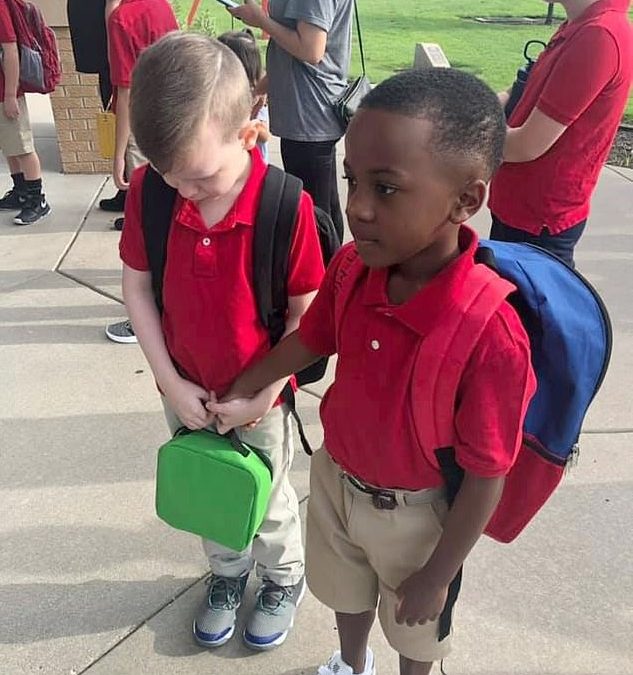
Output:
x,y
581,80
7,36
210,320
366,411
133,26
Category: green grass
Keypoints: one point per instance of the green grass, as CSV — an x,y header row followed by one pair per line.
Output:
x,y
391,28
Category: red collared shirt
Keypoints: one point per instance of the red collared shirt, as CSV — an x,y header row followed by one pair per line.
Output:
x,y
210,320
581,80
7,36
133,26
368,429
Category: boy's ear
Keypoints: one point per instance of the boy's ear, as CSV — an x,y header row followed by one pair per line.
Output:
x,y
470,200
248,134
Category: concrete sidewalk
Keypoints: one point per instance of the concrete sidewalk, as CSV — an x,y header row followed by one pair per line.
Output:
x,y
92,582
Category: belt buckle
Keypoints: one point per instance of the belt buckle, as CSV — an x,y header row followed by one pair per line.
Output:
x,y
384,501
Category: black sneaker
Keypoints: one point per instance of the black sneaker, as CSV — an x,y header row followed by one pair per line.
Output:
x,y
114,204
121,331
34,208
12,201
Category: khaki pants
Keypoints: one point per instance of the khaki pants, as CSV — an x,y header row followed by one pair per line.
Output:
x,y
277,550
358,555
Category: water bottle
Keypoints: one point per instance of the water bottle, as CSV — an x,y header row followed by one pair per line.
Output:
x,y
521,79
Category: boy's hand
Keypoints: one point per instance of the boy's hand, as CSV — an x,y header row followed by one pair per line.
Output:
x,y
250,13
421,600
188,401
118,173
238,412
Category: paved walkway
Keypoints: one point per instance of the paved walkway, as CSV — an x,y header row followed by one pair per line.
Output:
x,y
92,582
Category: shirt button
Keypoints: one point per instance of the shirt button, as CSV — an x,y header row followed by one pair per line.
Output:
x,y
375,345
206,241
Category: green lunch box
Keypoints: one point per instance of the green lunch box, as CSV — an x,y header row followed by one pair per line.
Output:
x,y
213,486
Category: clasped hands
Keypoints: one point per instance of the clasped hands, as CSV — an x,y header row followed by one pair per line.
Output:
x,y
198,408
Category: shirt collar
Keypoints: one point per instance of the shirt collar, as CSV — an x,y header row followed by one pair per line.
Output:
x,y
423,310
244,209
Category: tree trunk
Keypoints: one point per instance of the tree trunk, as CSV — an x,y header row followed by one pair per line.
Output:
x,y
550,14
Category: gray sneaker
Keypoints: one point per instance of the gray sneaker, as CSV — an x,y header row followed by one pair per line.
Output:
x,y
214,624
121,332
273,616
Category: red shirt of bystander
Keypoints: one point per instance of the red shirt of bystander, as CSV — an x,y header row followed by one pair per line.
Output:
x,y
7,36
582,81
133,26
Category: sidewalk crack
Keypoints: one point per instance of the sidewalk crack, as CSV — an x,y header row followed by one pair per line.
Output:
x,y
144,622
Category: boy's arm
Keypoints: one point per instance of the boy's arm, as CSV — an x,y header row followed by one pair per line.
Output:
x,y
186,398
11,67
254,393
423,594
122,137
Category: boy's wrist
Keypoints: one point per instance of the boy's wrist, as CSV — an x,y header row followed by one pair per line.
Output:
x,y
167,381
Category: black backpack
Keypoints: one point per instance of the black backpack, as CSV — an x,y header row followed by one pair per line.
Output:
x,y
274,228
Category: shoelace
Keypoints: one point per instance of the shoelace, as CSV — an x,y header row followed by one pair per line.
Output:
x,y
271,597
224,593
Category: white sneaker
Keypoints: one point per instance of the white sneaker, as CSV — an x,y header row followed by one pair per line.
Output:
x,y
336,665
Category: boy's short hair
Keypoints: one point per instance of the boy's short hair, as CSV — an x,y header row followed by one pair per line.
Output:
x,y
244,45
178,83
468,122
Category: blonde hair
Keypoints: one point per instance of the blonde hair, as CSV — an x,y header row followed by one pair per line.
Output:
x,y
180,82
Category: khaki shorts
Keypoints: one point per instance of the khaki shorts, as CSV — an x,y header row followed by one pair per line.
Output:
x,y
358,555
16,137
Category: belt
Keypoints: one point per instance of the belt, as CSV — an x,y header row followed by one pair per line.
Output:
x,y
384,499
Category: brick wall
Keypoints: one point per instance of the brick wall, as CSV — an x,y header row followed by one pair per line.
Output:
x,y
75,103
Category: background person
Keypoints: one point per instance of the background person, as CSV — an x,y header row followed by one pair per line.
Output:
x,y
307,63
16,137
562,129
87,22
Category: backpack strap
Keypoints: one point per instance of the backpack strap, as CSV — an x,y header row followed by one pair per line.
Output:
x,y
158,200
439,367
274,228
444,354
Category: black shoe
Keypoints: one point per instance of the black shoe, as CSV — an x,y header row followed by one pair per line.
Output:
x,y
114,204
34,208
12,201
118,224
